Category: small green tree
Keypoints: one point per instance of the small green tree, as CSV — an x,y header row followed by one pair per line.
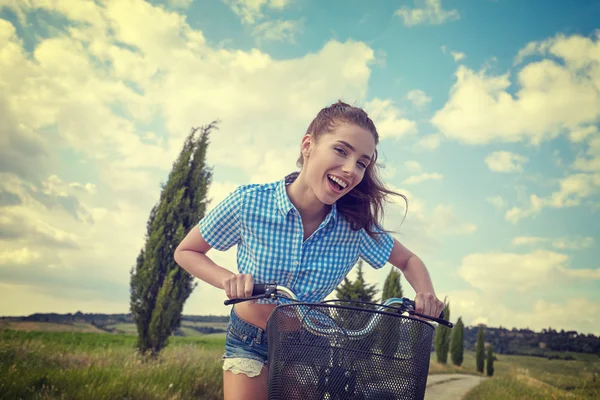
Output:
x,y
480,350
457,343
442,337
490,361
359,290
392,287
158,286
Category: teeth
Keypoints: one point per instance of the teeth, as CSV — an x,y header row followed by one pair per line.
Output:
x,y
338,181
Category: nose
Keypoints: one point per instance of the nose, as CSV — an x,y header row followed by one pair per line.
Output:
x,y
349,169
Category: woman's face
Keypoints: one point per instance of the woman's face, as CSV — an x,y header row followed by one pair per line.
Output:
x,y
337,161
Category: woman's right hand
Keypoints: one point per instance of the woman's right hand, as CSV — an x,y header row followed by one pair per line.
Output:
x,y
239,285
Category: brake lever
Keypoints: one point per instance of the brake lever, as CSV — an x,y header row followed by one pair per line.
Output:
x,y
438,320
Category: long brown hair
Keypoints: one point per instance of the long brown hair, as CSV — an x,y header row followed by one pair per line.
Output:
x,y
363,205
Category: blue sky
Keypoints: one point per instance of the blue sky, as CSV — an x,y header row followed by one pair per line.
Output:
x,y
488,113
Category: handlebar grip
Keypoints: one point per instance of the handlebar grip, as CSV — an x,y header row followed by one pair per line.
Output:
x,y
414,307
258,289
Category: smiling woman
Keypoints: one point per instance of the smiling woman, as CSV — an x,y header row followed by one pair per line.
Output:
x,y
306,232
364,203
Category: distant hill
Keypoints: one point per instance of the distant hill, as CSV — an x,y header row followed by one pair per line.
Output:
x,y
123,323
505,341
528,342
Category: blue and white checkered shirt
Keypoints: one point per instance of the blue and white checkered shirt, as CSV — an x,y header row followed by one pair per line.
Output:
x,y
262,221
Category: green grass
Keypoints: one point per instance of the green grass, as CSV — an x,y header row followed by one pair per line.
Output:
x,y
515,387
53,365
125,328
526,377
78,365
187,327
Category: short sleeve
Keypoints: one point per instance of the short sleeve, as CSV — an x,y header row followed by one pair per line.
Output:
x,y
221,226
376,251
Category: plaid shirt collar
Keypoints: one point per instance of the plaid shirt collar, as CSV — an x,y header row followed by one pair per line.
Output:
x,y
285,205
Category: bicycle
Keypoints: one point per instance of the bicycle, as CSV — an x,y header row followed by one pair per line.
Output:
x,y
351,350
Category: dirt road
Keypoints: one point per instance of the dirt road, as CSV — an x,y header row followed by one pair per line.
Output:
x,y
450,386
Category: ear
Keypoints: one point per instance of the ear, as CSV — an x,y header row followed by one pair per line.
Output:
x,y
306,145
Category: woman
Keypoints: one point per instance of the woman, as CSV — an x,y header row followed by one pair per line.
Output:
x,y
305,232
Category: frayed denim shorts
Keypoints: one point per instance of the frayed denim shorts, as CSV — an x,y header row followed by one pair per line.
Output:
x,y
246,350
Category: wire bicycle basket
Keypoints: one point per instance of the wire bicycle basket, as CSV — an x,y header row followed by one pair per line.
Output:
x,y
390,361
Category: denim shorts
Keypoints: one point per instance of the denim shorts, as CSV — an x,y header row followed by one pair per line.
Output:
x,y
246,349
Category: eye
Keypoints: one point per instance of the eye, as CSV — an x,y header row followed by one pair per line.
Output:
x,y
362,165
340,150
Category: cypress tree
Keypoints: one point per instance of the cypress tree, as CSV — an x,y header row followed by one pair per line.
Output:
x,y
392,286
457,343
490,361
158,286
442,337
480,350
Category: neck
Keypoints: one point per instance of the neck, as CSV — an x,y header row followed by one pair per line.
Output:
x,y
305,201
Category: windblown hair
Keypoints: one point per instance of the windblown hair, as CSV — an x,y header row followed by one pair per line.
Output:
x,y
363,205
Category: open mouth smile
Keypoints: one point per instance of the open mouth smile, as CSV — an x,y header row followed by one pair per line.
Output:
x,y
337,184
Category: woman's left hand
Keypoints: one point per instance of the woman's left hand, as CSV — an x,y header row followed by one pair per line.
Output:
x,y
428,304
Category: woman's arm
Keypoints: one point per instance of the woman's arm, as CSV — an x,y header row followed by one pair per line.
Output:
x,y
417,275
190,254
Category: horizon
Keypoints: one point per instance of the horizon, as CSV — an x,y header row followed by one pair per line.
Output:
x,y
227,316
488,114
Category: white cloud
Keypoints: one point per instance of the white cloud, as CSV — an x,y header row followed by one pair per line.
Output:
x,y
447,221
505,161
497,202
23,255
500,272
489,308
411,180
429,142
579,134
218,191
27,299
387,119
591,161
573,189
180,4
388,171
413,166
278,30
251,11
558,243
550,96
457,55
426,12
418,97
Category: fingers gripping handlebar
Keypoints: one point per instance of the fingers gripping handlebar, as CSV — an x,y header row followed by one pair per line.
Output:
x,y
259,291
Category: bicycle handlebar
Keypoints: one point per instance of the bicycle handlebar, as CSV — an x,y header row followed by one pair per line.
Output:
x,y
265,291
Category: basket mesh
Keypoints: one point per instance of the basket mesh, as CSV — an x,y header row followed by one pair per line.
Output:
x,y
315,353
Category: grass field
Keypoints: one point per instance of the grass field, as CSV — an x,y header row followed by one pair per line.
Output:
x,y
77,365
187,327
36,364
525,377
